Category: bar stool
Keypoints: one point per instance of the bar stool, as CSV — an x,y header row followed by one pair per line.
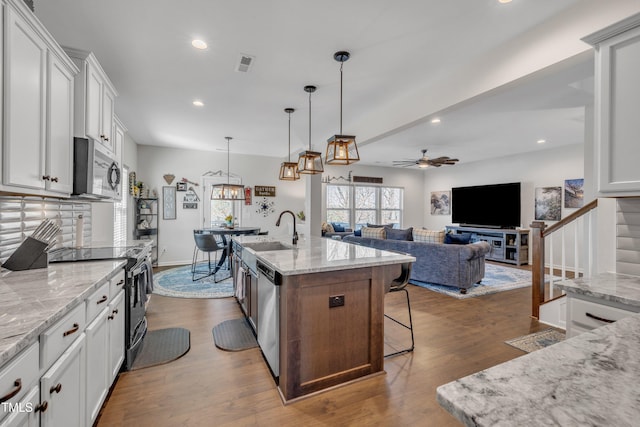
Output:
x,y
397,285
205,242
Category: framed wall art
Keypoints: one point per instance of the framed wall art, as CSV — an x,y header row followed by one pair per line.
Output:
x,y
168,202
574,193
441,203
548,203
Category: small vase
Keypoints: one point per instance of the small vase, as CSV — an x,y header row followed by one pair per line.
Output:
x,y
229,224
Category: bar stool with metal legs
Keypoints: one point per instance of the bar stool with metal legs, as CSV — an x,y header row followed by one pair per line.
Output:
x,y
207,243
397,285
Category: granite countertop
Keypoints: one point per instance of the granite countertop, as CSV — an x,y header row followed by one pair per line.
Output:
x,y
613,287
317,254
32,300
590,379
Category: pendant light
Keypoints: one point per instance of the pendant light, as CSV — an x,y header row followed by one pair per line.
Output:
x,y
289,169
227,191
341,149
310,162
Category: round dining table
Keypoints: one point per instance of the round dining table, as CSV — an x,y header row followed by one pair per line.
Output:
x,y
224,232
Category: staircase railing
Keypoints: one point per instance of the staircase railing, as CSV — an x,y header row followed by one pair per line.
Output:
x,y
542,243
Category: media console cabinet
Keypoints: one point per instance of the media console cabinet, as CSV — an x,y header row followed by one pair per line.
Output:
x,y
507,245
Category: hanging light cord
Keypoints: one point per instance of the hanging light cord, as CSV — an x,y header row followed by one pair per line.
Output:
x,y
309,121
289,152
341,64
228,169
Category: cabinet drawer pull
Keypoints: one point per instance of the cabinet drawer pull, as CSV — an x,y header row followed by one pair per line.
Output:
x,y
55,388
46,177
602,319
54,179
72,330
115,311
42,407
121,282
103,299
111,317
18,386
106,138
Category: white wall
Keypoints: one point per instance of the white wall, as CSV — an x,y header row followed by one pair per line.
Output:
x,y
176,236
547,168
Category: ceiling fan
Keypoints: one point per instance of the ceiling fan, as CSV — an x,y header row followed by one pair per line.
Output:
x,y
425,161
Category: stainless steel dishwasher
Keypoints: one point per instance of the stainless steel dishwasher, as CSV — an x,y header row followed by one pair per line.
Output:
x,y
269,315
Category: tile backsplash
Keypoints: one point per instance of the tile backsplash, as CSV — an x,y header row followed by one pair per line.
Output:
x,y
19,216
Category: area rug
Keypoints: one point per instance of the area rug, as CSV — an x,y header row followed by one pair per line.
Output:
x,y
537,340
496,279
162,346
177,283
234,335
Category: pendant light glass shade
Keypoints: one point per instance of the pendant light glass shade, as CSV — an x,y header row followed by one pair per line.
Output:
x,y
341,149
289,169
310,162
227,191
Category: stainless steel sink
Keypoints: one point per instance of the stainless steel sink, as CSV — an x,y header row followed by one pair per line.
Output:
x,y
266,246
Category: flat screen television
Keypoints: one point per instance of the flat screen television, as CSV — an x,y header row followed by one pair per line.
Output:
x,y
494,206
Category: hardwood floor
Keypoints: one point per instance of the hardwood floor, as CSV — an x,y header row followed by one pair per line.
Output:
x,y
208,387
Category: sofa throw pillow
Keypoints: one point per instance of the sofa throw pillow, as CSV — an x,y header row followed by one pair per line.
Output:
x,y
327,228
358,232
400,234
373,233
428,236
337,228
457,239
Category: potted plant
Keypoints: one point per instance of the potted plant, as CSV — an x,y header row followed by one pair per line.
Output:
x,y
301,216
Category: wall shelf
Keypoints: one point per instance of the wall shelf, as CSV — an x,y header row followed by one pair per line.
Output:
x,y
147,224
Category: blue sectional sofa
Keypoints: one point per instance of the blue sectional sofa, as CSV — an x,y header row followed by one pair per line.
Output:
x,y
460,266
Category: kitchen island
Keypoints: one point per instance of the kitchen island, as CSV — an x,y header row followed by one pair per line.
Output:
x,y
590,379
320,309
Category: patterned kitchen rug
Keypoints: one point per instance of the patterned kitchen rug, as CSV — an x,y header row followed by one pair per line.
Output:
x,y
177,283
537,340
497,278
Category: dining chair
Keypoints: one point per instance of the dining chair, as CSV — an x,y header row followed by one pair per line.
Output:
x,y
206,243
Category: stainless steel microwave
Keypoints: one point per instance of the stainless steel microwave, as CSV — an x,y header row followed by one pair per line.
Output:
x,y
96,173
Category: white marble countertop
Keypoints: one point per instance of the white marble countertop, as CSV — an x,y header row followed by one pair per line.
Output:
x,y
589,380
32,300
317,254
608,286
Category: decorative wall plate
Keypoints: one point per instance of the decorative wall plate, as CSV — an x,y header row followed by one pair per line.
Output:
x,y
265,207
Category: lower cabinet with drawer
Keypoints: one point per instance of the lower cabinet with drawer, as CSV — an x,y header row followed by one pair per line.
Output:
x,y
585,313
63,378
63,388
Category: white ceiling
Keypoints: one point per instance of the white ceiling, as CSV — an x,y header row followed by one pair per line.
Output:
x,y
410,60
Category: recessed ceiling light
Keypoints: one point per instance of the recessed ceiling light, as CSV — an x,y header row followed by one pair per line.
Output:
x,y
504,1
541,141
199,44
435,121
198,103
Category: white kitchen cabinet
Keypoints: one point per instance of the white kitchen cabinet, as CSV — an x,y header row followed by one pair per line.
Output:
x,y
27,413
97,365
617,102
94,99
25,57
63,388
59,151
37,101
585,313
119,130
15,380
115,319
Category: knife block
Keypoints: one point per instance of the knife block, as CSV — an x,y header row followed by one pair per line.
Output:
x,y
30,255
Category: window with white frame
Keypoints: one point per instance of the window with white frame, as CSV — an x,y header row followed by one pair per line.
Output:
x,y
354,206
215,211
120,211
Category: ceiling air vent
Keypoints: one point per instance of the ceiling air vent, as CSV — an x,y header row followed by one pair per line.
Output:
x,y
245,62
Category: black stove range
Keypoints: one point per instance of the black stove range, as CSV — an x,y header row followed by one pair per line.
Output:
x,y
139,280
